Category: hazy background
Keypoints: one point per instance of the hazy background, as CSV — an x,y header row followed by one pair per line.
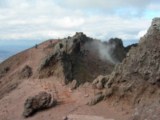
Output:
x,y
10,47
24,23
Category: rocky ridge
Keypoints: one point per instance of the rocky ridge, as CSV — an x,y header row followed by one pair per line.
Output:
x,y
136,80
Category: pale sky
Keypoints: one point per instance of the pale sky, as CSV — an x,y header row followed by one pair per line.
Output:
x,y
102,19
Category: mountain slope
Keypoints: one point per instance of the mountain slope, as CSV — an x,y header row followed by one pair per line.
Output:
x,y
43,67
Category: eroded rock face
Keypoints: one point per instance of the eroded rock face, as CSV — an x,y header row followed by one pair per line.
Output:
x,y
137,78
38,102
142,66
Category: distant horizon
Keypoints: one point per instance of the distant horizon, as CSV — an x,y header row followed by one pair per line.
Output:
x,y
10,48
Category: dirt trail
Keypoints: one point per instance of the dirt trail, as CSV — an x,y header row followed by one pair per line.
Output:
x,y
86,117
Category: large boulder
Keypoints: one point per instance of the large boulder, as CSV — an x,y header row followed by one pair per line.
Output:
x,y
38,102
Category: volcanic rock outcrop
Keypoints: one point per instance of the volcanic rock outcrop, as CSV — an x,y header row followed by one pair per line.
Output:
x,y
82,58
137,78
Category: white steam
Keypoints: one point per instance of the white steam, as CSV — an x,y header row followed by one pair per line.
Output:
x,y
103,50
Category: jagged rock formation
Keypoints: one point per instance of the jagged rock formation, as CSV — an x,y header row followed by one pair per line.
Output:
x,y
39,102
82,58
137,78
